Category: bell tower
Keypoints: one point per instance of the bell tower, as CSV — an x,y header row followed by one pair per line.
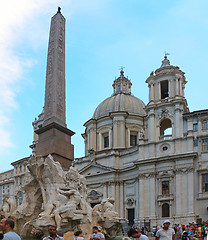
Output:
x,y
167,102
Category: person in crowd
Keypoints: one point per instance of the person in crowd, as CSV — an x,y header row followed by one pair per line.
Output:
x,y
190,232
203,232
53,234
175,228
7,226
166,233
154,230
78,235
185,234
133,233
96,235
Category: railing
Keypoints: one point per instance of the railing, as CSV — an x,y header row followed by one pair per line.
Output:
x,y
165,137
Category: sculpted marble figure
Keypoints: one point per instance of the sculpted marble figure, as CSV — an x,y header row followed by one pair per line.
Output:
x,y
53,196
7,206
103,213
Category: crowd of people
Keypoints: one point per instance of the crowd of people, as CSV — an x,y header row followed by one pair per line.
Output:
x,y
192,231
7,227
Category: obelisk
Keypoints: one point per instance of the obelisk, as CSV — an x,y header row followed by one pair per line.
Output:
x,y
54,137
54,108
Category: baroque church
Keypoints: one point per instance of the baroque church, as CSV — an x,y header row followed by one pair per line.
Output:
x,y
151,159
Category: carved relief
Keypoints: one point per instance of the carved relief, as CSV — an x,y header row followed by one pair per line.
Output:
x,y
146,175
184,170
164,113
130,202
94,196
141,134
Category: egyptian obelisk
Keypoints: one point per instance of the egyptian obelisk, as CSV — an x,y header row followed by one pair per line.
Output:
x,y
54,137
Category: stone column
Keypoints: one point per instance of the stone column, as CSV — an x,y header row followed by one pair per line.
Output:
x,y
137,201
100,141
141,202
177,91
121,212
152,196
152,92
178,196
88,140
110,139
117,197
159,91
128,138
190,197
151,126
171,89
178,122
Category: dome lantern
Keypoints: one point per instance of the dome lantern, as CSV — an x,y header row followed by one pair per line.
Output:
x,y
122,84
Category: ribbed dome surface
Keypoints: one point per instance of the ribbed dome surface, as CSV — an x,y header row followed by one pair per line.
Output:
x,y
120,102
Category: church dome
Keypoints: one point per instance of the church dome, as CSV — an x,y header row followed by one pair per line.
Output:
x,y
121,101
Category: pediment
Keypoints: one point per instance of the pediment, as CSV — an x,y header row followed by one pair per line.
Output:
x,y
94,168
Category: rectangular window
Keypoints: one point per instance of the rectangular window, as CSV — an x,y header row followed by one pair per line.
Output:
x,y
195,142
205,183
204,124
165,187
205,144
106,142
20,168
195,126
133,140
21,180
164,89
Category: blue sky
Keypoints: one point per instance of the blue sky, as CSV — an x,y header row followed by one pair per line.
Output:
x,y
101,36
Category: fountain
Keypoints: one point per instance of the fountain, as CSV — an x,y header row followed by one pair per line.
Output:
x,y
53,196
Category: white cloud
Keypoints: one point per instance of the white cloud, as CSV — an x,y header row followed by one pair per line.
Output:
x,y
14,16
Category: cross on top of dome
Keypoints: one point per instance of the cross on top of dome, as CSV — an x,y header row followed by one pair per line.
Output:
x,y
122,71
166,61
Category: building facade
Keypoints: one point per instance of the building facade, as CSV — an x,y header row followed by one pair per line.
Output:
x,y
152,159
20,169
6,184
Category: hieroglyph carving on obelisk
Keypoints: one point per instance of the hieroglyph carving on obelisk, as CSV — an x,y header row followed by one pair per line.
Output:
x,y
54,109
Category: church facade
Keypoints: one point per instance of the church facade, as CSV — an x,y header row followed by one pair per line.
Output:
x,y
152,159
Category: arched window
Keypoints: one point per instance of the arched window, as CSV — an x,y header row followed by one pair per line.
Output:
x,y
165,210
164,89
166,128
